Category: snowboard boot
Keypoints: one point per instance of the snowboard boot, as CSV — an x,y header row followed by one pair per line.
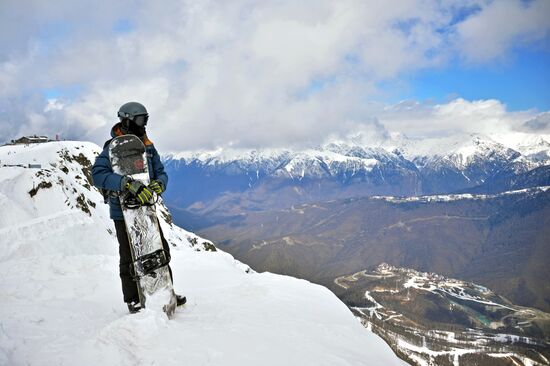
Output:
x,y
180,300
134,307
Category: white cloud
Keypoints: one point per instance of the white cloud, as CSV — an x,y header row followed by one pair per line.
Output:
x,y
538,124
501,25
242,73
455,117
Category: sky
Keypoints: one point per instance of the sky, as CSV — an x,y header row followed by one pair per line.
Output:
x,y
282,73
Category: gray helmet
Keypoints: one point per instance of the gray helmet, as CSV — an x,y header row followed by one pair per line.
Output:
x,y
130,110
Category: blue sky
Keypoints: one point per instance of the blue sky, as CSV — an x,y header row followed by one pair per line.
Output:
x,y
521,81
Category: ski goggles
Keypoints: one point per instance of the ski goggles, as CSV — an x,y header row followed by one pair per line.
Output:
x,y
141,120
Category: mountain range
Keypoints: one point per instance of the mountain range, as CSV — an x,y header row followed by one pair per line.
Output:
x,y
438,205
225,181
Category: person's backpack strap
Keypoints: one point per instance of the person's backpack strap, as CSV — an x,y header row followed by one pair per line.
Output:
x,y
104,192
107,143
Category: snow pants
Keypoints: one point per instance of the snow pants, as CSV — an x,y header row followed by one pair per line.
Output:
x,y
129,285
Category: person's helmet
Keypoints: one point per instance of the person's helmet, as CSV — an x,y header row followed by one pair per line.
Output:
x,y
134,112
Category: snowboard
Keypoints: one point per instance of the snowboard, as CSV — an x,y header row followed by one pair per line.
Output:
x,y
149,267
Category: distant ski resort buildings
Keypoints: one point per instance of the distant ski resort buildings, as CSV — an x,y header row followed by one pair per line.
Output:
x,y
30,140
26,140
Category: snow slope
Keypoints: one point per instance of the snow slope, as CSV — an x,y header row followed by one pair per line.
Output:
x,y
61,302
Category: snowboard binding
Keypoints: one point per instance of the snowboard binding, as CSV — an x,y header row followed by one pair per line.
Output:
x,y
131,202
148,263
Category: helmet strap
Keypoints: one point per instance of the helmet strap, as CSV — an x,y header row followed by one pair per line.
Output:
x,y
125,125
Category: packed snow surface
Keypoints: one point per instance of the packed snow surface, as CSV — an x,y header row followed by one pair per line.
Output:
x,y
61,300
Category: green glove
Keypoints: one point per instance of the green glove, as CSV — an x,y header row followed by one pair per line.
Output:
x,y
139,190
157,186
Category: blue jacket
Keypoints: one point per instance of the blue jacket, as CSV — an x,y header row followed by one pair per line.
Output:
x,y
103,176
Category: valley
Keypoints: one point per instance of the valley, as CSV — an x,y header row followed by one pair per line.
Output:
x,y
476,238
430,319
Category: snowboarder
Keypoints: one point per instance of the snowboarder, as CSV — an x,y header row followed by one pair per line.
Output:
x,y
133,118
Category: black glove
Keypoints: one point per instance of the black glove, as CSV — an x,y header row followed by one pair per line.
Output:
x,y
139,190
156,186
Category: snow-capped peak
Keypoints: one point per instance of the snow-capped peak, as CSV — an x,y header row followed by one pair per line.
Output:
x,y
462,150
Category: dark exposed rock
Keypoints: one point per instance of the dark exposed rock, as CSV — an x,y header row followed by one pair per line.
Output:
x,y
41,185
